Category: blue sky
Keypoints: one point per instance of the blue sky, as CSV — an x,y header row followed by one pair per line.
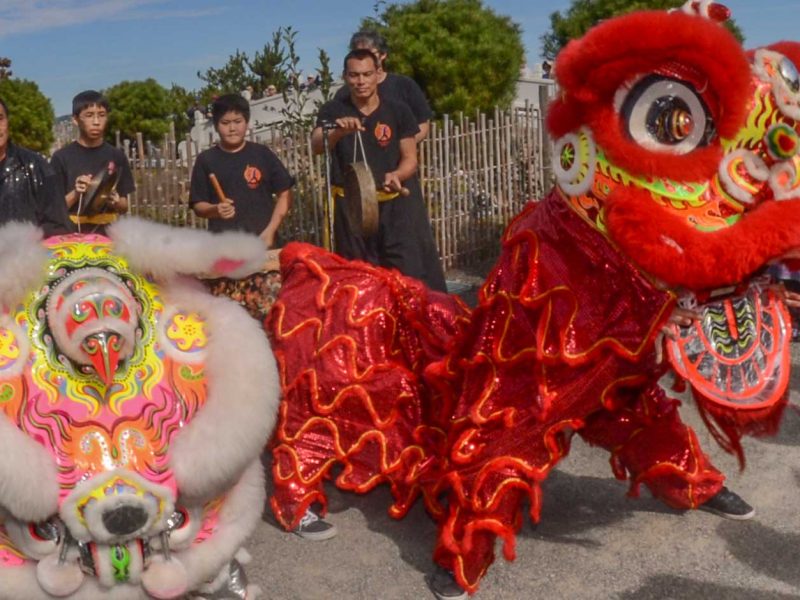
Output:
x,y
66,46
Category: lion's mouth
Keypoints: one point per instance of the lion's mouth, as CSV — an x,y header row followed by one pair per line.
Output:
x,y
64,561
672,251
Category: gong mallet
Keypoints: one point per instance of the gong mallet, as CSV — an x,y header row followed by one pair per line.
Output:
x,y
403,191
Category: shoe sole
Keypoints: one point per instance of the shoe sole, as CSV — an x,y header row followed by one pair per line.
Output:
x,y
724,515
320,536
463,596
438,596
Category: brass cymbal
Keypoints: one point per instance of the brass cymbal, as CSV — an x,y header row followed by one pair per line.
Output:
x,y
99,191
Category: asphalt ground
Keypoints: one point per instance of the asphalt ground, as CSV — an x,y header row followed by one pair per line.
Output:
x,y
593,542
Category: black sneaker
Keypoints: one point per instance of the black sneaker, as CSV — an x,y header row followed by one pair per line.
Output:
x,y
730,505
313,527
444,585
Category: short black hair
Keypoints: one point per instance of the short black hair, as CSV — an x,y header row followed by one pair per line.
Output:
x,y
86,99
3,104
370,38
361,54
229,103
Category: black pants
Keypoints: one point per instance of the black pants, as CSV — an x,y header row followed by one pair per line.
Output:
x,y
404,240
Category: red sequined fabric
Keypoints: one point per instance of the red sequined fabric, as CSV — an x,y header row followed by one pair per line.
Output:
x,y
401,385
351,341
562,341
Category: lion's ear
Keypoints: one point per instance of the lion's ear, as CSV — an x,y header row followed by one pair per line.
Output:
x,y
165,252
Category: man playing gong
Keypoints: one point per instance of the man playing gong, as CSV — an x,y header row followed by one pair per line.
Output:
x,y
379,135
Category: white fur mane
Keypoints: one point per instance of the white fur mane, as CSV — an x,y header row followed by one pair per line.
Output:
x,y
166,252
24,260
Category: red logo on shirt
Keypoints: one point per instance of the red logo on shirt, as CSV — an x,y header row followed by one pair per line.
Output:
x,y
383,133
252,175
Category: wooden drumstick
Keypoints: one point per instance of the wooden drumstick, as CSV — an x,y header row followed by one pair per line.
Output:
x,y
218,188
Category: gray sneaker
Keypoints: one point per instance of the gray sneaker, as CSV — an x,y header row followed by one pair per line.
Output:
x,y
444,585
730,505
313,527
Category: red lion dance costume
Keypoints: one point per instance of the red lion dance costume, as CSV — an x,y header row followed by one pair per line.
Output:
x,y
678,178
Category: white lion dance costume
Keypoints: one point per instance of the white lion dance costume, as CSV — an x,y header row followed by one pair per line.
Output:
x,y
133,410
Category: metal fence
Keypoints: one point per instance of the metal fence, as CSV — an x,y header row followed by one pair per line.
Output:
x,y
476,174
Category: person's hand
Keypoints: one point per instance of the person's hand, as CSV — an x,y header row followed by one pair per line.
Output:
x,y
113,201
682,317
391,182
226,210
268,237
349,124
82,183
789,297
793,254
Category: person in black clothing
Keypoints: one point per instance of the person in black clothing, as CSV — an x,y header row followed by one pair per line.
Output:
x,y
28,188
79,162
387,128
256,185
392,86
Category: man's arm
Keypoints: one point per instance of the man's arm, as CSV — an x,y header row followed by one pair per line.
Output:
x,y
344,126
424,130
421,109
283,202
393,180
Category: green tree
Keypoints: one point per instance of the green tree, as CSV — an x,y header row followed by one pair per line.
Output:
x,y
139,106
181,105
31,115
233,77
461,53
584,14
268,66
295,94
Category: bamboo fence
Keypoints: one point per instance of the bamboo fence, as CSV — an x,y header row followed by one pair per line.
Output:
x,y
476,173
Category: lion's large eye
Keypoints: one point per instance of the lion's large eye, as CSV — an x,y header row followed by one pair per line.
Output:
x,y
666,115
790,75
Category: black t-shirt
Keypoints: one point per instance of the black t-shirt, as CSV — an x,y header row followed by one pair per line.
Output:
x,y
384,128
249,177
399,88
74,160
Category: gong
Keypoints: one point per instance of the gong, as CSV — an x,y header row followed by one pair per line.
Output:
x,y
360,199
99,191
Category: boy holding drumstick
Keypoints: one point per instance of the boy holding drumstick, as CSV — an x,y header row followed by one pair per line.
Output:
x,y
252,191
